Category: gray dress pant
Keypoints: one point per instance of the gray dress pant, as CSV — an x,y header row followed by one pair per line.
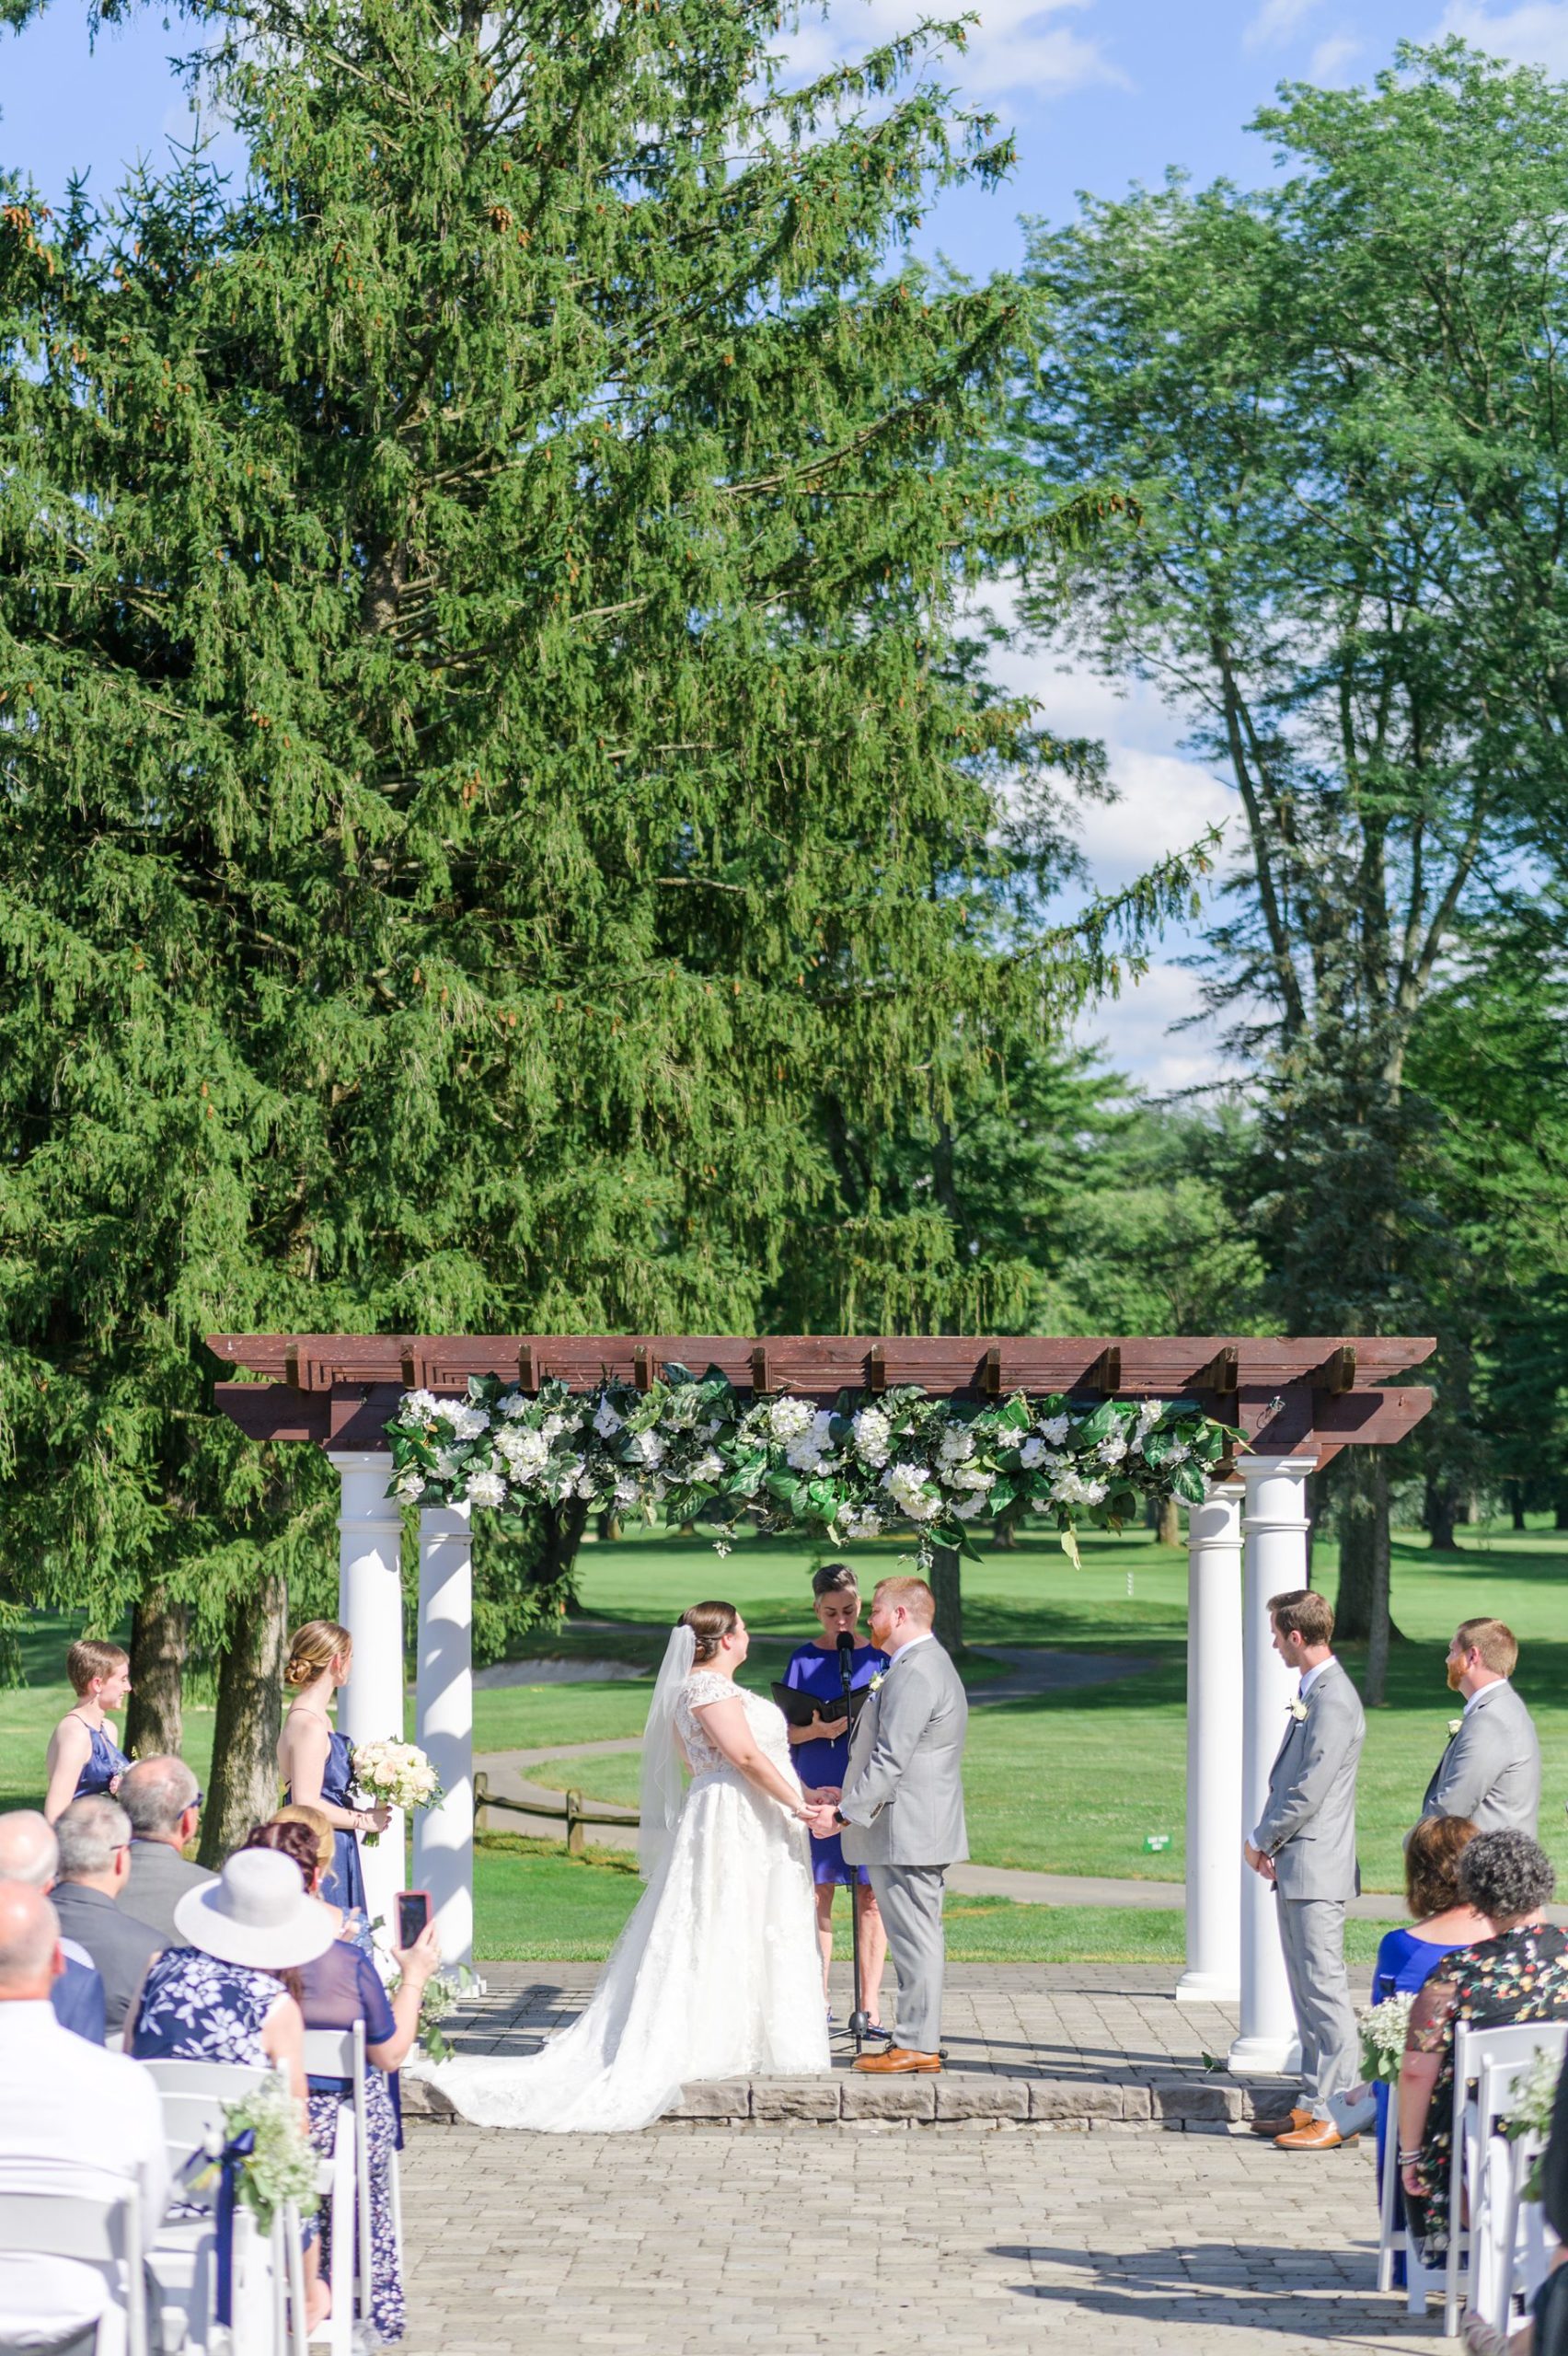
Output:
x,y
1311,1932
910,1898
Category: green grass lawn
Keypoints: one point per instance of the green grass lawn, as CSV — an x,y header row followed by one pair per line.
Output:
x,y
1069,1782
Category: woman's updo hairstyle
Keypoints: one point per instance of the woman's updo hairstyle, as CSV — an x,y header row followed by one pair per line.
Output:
x,y
314,1649
710,1623
833,1578
295,1841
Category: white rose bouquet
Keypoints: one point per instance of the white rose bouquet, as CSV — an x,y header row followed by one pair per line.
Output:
x,y
397,1774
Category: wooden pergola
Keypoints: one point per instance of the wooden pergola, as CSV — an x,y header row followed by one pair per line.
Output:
x,y
1297,1401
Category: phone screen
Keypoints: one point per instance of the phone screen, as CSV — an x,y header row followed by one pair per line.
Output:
x,y
413,1914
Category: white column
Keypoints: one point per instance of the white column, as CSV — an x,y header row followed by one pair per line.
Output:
x,y
370,1605
1275,1560
1212,1975
444,1836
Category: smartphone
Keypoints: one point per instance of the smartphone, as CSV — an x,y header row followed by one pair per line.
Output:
x,y
413,1914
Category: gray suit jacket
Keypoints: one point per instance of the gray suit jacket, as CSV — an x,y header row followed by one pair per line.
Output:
x,y
1308,1822
121,1948
903,1789
1491,1771
160,1879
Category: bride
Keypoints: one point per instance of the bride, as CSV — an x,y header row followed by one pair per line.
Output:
x,y
716,1974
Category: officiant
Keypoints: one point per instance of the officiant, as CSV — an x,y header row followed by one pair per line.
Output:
x,y
822,1756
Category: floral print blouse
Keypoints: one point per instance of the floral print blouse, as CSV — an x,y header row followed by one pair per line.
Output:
x,y
197,2008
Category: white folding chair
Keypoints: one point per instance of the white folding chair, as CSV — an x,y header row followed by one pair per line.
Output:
x,y
345,2178
104,2234
183,2255
1471,2229
1421,2283
1510,2238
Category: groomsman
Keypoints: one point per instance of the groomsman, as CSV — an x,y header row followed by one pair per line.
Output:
x,y
1305,1844
1490,1770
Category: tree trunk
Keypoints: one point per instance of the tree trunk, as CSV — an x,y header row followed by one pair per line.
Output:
x,y
1516,1494
1168,1529
1440,1513
609,1527
153,1720
1361,1611
1560,1509
243,1787
564,1527
946,1587
1004,1536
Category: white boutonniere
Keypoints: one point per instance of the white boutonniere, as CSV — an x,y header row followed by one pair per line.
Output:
x,y
1454,1725
878,1680
1298,1712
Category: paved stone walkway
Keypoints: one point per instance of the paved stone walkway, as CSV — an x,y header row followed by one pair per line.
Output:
x,y
801,2243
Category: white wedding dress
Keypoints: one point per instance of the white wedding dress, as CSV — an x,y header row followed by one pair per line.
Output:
x,y
716,1974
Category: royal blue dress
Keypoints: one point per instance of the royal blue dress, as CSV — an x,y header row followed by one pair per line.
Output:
x,y
106,1763
343,1882
812,1670
1405,1963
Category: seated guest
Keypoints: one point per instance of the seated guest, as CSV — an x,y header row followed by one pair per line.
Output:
x,y
342,1986
227,1992
95,1857
74,2119
30,1854
352,1922
1518,1973
83,1757
1407,1957
161,1799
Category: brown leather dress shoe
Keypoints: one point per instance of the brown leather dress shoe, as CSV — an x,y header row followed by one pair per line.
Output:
x,y
1275,2128
1321,2135
896,2063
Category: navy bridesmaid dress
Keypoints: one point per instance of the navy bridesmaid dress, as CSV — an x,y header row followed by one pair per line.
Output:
x,y
343,1882
105,1765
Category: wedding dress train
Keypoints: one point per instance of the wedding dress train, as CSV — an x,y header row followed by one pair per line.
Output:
x,y
716,1975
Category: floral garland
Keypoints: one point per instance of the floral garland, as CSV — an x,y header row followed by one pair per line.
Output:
x,y
693,1446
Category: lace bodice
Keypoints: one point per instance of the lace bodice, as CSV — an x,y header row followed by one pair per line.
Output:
x,y
765,1717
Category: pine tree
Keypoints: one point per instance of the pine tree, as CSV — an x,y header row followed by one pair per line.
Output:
x,y
484,741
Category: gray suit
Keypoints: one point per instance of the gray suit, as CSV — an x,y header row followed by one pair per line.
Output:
x,y
121,1948
904,1809
159,1879
1491,1771
1308,1828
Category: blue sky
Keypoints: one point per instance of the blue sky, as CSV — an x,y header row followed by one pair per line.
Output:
x,y
1098,93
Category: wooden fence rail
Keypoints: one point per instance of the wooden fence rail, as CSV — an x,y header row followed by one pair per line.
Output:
x,y
571,1810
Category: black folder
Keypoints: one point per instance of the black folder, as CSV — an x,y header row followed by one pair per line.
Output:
x,y
804,1709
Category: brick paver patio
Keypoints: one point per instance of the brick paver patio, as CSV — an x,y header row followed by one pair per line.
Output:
x,y
975,2227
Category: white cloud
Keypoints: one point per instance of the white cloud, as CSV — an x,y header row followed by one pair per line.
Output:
x,y
1534,33
1275,22
1017,49
1134,1034
1331,57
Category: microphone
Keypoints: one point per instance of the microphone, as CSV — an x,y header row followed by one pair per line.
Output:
x,y
846,1658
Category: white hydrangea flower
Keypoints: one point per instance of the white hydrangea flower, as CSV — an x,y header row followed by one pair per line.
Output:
x,y
863,1525
551,1429
790,1419
424,1405
1030,1453
445,1464
584,1486
803,1455
709,1466
648,1447
410,1484
525,1452
467,1422
874,1436
1110,1451
1056,1429
626,1489
1178,1453
606,1423
486,1489
906,1485
965,1508
1149,1415
957,1444
511,1404
971,1476
1072,1489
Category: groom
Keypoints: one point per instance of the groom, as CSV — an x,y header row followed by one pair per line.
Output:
x,y
902,1809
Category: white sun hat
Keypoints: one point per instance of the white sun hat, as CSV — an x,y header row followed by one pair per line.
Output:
x,y
257,1913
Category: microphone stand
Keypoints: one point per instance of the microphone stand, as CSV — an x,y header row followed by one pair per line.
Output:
x,y
860,2019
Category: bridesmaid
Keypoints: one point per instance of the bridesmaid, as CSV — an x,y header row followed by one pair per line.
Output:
x,y
316,1762
84,1760
822,1756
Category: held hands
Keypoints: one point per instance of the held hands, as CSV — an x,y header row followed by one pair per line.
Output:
x,y
373,1820
828,1730
1260,1864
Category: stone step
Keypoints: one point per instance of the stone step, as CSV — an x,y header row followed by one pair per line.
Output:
x,y
1214,2104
